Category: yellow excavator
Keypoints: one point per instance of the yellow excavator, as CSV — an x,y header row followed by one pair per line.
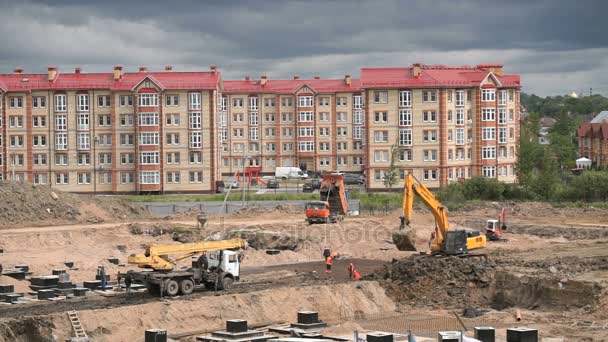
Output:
x,y
218,266
444,241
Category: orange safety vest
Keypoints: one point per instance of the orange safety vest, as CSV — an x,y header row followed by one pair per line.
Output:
x,y
328,260
356,275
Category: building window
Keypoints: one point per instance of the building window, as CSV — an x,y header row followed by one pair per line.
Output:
x,y
104,120
286,117
488,171
459,116
381,117
271,132
358,117
358,132
269,117
306,146
105,178
127,158
357,102
449,96
379,175
15,121
502,135
459,136
405,155
488,152
324,147
39,140
502,97
196,140
171,100
287,147
342,116
381,156
149,177
237,132
126,101
149,138
429,116
84,178
305,101
194,101
82,122
149,158
16,140
39,121
324,101
288,132
60,103
488,95
38,101
323,116
174,177
270,147
488,133
488,114
253,103
127,177
61,159
380,96
39,159
342,146
381,136
324,131
16,101
194,120
173,157
405,117
405,98
148,100
502,115
450,115
405,137
82,102
84,159
306,131
105,139
103,101
237,117
430,155
429,136
237,102
84,142
126,120
61,141
126,139
449,135
286,102
429,96
305,116
253,133
148,119
323,161
341,132
62,178
341,101
430,175
460,97
196,157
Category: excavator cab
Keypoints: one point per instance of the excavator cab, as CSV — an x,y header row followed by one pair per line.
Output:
x,y
493,230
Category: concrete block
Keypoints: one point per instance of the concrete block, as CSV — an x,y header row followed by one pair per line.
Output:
x,y
97,277
7,288
51,280
485,334
78,339
65,285
379,337
156,335
46,294
308,317
12,297
92,284
80,291
236,325
15,274
58,271
448,336
69,264
522,335
113,260
23,267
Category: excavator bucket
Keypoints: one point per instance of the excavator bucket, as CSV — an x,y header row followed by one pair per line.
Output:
x,y
405,237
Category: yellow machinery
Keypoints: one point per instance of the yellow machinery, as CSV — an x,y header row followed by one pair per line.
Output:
x,y
445,241
156,257
218,267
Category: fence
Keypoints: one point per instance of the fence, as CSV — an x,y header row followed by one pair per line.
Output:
x,y
169,208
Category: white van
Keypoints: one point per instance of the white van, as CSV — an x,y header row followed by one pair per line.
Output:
x,y
290,173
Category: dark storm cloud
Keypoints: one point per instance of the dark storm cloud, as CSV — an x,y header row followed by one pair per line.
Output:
x,y
539,39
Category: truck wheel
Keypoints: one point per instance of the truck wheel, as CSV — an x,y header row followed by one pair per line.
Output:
x,y
186,286
226,283
171,287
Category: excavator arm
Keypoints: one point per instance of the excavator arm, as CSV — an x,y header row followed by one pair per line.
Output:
x,y
413,187
158,258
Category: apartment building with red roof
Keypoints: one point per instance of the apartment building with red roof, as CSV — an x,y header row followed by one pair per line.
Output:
x,y
593,139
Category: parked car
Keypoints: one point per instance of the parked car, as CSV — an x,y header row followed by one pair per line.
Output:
x,y
315,183
272,184
353,179
308,187
233,184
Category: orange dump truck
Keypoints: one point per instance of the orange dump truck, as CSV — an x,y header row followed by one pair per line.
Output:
x,y
333,204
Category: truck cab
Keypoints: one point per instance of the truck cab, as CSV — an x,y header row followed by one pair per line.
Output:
x,y
317,212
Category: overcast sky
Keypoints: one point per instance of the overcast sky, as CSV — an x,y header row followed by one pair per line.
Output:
x,y
557,46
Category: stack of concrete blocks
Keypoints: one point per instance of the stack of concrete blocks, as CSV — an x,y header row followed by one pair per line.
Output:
x,y
522,335
308,320
236,331
380,337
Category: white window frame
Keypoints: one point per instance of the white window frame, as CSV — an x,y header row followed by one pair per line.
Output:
x,y
488,152
459,97
381,136
405,117
488,114
195,139
149,138
405,98
253,103
306,131
488,133
305,116
148,119
61,103
502,116
405,136
306,146
459,136
82,121
358,117
194,119
82,102
488,171
253,133
148,100
149,158
488,95
84,141
194,101
149,177
357,102
305,101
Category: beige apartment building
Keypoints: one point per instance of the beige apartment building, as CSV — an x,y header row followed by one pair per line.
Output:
x,y
183,131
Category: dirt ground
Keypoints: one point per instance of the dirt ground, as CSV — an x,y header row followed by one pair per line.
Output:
x,y
553,268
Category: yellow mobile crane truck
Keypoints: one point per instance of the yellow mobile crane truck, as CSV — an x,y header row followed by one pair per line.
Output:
x,y
218,266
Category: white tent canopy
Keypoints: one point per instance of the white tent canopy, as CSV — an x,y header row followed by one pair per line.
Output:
x,y
583,163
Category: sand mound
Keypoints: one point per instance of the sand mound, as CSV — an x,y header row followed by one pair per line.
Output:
x,y
279,209
25,204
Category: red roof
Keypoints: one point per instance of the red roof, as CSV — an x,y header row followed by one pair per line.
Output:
x,y
67,81
433,76
593,130
290,86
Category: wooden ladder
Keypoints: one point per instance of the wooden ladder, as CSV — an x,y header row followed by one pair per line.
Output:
x,y
76,325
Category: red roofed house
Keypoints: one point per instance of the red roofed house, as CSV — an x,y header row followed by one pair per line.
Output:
x,y
182,131
593,140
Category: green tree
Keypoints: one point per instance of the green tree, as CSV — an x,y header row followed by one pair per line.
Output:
x,y
545,183
530,151
391,177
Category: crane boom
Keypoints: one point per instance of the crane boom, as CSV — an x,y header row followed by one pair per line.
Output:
x,y
157,256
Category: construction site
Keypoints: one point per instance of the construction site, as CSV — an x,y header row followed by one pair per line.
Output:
x,y
82,268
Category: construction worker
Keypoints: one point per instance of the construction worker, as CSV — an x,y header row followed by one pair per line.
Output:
x,y
351,269
326,252
128,282
328,263
356,275
101,273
